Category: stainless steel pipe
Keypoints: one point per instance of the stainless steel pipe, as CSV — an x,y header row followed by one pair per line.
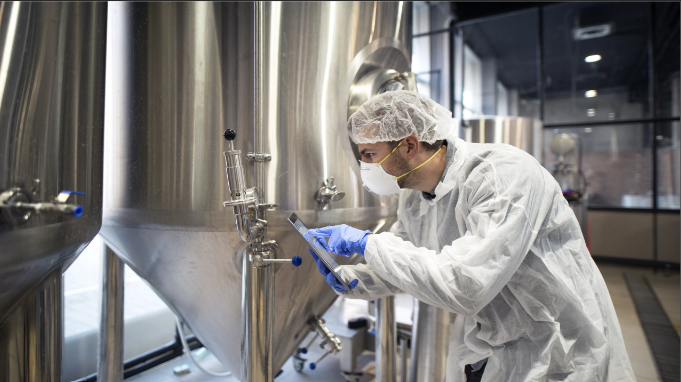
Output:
x,y
430,342
386,339
257,302
111,328
404,369
257,322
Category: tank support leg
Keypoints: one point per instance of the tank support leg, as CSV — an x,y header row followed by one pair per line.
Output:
x,y
386,338
111,332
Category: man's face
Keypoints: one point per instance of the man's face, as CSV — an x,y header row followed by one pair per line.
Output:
x,y
395,165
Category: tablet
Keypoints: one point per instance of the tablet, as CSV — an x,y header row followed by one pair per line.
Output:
x,y
319,249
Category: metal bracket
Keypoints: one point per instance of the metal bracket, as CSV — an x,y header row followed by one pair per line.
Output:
x,y
259,157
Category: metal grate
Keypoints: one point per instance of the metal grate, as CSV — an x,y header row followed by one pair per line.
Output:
x,y
662,337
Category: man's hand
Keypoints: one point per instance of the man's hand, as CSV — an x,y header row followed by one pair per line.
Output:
x,y
328,276
343,239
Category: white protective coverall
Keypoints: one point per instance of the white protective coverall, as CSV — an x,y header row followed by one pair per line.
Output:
x,y
500,247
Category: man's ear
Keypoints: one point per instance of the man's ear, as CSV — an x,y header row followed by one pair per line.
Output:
x,y
413,146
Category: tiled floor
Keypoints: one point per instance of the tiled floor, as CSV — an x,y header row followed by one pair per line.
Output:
x,y
666,287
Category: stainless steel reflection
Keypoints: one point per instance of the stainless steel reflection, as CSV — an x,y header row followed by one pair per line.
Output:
x,y
51,127
111,328
31,337
386,340
523,133
184,72
430,343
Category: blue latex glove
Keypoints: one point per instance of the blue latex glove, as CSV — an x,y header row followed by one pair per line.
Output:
x,y
328,276
343,239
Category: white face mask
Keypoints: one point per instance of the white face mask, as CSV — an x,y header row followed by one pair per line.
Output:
x,y
378,181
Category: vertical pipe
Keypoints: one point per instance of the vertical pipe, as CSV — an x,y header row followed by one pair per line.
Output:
x,y
257,320
433,328
386,338
403,360
111,328
259,96
246,329
257,299
414,340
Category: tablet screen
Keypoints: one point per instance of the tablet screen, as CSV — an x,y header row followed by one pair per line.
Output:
x,y
319,249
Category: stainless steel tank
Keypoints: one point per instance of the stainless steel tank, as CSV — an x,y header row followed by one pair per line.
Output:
x,y
184,72
523,133
52,58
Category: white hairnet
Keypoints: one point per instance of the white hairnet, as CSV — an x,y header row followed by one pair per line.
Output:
x,y
395,115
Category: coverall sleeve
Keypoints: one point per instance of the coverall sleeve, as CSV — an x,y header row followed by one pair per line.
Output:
x,y
369,287
505,210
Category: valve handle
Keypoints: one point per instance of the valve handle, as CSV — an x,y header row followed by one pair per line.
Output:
x,y
229,134
297,261
313,365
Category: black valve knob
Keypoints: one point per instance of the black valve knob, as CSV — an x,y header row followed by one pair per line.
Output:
x,y
229,134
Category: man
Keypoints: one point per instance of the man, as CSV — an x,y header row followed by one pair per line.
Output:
x,y
483,231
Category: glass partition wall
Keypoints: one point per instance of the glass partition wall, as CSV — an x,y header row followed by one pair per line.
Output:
x,y
606,73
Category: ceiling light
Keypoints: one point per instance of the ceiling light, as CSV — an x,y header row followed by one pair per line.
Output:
x,y
594,31
587,130
591,112
590,93
593,58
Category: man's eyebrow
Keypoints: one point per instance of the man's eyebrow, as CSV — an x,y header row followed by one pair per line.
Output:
x,y
363,152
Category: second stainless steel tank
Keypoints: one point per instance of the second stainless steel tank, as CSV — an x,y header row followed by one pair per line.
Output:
x,y
523,133
52,64
182,75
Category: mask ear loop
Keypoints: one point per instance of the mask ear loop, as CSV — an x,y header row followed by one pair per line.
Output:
x,y
419,166
386,157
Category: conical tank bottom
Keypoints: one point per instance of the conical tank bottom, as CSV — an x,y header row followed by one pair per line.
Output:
x,y
198,274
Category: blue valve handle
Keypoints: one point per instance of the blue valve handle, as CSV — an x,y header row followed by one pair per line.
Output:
x,y
313,365
297,261
64,196
303,350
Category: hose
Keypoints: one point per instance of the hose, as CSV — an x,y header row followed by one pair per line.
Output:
x,y
191,357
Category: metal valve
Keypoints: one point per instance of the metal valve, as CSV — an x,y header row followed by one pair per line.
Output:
x,y
328,192
17,206
262,258
334,343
